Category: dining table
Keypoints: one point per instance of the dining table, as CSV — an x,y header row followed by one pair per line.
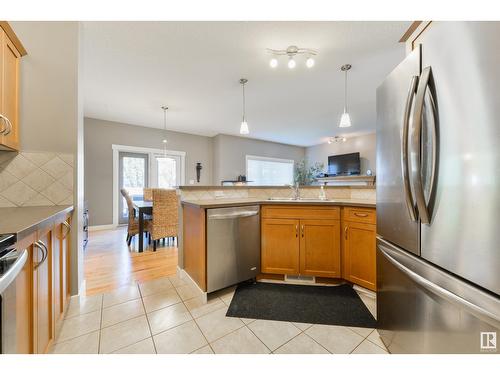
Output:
x,y
143,208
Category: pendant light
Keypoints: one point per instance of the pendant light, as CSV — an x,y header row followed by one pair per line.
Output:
x,y
345,120
244,126
164,141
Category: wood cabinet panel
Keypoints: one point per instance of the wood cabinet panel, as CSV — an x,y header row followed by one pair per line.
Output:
x,y
320,248
9,87
280,246
302,212
194,244
360,254
43,294
360,215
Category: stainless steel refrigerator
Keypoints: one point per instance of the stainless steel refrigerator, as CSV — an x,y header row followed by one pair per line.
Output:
x,y
438,194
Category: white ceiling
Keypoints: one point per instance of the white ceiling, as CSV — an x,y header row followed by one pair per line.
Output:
x,y
132,68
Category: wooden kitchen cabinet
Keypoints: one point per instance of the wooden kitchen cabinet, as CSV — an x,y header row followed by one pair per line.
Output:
x,y
359,250
43,292
280,246
320,248
60,271
300,241
11,51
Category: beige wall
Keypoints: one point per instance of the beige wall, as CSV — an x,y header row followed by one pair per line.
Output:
x,y
51,106
230,154
364,144
100,135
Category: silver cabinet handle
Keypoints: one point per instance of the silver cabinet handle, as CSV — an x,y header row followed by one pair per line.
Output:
x,y
68,227
7,132
404,149
416,140
345,232
296,230
4,120
302,227
41,246
490,317
360,215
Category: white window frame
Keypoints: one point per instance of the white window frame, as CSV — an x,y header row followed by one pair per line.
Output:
x,y
265,158
152,152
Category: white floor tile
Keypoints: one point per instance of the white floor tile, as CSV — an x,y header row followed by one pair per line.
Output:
x,y
141,347
362,331
121,312
155,286
171,316
187,292
120,295
79,305
80,325
182,339
197,306
367,347
374,337
124,334
177,281
216,324
336,339
241,341
161,300
273,333
205,350
86,344
301,344
302,326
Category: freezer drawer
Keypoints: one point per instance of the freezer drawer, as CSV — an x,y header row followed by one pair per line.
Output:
x,y
421,309
233,246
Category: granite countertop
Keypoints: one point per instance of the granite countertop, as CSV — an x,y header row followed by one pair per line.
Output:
x,y
23,220
219,203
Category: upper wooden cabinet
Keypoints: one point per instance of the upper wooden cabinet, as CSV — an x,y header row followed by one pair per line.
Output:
x,y
11,51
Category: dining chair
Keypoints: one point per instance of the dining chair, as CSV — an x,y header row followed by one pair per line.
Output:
x,y
133,222
147,194
165,221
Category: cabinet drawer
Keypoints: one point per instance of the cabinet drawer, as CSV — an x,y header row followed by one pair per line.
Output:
x,y
360,215
302,212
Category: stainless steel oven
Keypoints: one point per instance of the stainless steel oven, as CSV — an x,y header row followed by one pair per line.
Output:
x,y
12,262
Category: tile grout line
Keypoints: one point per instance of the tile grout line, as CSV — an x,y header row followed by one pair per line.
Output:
x,y
312,338
147,319
199,328
100,324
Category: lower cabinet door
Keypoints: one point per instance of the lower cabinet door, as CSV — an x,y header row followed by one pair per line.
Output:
x,y
65,265
360,254
320,248
280,246
43,295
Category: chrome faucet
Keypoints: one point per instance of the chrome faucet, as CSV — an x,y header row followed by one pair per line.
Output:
x,y
296,191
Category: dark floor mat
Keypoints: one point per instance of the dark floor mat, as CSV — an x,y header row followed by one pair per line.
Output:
x,y
335,305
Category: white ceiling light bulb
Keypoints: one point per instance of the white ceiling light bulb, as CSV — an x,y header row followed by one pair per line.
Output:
x,y
244,125
291,63
345,120
310,62
273,63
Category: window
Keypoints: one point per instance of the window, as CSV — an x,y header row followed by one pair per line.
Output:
x,y
269,171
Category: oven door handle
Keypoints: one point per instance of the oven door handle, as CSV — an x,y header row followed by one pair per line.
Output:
x,y
13,271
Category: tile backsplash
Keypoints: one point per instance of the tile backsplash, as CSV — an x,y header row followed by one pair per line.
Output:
x,y
36,179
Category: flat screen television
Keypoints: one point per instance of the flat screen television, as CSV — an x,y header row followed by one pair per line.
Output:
x,y
344,165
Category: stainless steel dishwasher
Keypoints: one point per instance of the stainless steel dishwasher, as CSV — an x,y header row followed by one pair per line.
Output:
x,y
233,246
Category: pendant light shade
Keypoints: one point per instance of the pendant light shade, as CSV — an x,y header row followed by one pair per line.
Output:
x,y
244,125
345,120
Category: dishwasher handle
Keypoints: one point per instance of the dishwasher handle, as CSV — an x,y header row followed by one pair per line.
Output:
x,y
13,271
235,215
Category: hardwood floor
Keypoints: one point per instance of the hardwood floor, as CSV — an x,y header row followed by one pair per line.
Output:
x,y
109,263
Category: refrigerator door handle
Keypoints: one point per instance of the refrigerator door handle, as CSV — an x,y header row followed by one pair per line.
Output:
x,y
416,141
404,149
478,311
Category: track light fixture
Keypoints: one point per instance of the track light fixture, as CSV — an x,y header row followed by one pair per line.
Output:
x,y
292,52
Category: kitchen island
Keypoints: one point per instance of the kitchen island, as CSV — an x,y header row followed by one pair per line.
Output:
x,y
320,240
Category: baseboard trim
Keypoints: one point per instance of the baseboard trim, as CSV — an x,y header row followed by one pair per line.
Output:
x,y
94,228
184,275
